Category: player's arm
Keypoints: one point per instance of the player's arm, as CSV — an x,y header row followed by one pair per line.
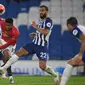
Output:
x,y
10,42
42,31
82,48
32,34
78,34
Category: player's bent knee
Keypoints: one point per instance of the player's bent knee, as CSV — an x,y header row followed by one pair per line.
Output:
x,y
17,53
74,62
43,67
69,61
6,53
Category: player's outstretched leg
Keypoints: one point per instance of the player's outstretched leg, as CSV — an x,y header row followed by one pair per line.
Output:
x,y
76,61
66,74
53,73
4,74
49,70
12,60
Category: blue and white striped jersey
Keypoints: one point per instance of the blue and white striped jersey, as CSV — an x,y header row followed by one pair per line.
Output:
x,y
42,39
78,30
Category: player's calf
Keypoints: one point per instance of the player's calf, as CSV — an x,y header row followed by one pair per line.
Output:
x,y
42,65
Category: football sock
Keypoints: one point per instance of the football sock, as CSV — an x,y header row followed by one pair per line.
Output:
x,y
66,74
2,65
12,60
9,71
50,71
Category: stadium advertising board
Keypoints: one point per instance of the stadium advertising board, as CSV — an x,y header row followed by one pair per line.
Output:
x,y
32,67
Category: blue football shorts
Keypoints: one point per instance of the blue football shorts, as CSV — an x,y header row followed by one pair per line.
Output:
x,y
41,51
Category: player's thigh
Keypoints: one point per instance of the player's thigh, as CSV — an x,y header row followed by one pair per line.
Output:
x,y
7,52
42,55
76,60
21,52
6,55
25,50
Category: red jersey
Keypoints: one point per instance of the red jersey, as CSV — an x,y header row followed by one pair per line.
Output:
x,y
9,36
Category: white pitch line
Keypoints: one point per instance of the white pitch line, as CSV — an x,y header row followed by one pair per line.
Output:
x,y
41,84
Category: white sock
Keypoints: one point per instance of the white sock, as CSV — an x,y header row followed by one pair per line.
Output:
x,y
10,77
66,74
12,60
50,71
4,74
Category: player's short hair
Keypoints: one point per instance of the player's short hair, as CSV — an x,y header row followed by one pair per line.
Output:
x,y
46,8
9,20
72,21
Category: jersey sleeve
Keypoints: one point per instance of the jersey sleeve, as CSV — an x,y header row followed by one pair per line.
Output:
x,y
12,40
48,24
76,32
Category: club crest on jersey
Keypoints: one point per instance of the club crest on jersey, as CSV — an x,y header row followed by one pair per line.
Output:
x,y
75,32
48,24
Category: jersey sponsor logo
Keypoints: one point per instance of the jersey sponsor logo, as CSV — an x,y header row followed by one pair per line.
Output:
x,y
75,32
48,24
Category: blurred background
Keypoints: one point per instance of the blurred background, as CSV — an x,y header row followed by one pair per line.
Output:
x,y
62,45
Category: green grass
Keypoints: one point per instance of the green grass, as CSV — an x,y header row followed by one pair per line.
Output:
x,y
41,80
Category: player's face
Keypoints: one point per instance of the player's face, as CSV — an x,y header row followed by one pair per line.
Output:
x,y
70,27
43,13
8,26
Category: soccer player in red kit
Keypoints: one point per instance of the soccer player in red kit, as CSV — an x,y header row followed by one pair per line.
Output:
x,y
9,34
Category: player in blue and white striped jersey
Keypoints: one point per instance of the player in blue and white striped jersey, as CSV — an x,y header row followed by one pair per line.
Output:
x,y
78,31
40,37
39,43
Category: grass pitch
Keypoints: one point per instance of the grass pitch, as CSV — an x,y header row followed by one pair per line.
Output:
x,y
41,80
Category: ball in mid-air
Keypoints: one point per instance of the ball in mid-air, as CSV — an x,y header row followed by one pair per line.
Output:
x,y
2,9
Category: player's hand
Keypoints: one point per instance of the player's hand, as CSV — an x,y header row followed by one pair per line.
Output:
x,y
34,24
32,34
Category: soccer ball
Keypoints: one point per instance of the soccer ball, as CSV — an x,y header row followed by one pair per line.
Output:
x,y
2,9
